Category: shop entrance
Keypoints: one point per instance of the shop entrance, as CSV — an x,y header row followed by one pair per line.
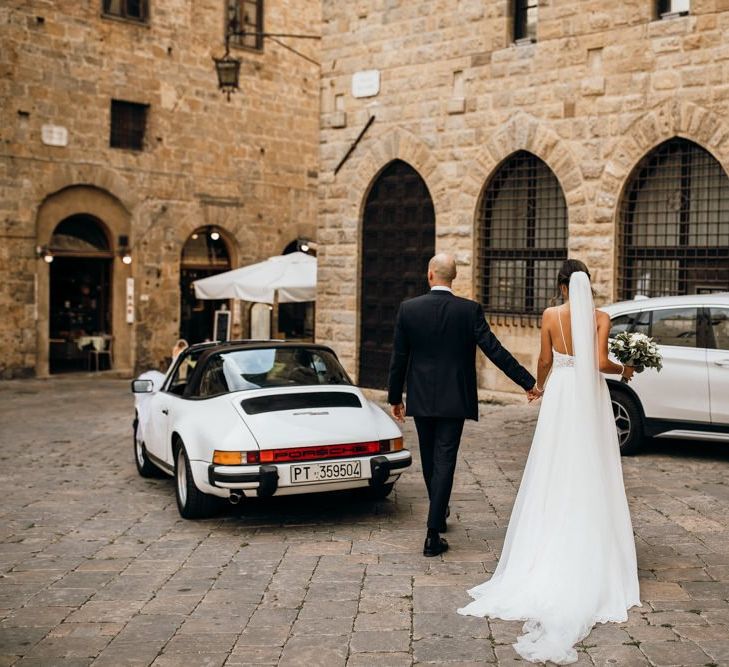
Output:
x,y
80,307
204,254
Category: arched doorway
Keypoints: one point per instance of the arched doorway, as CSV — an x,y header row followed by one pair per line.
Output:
x,y
398,239
296,320
673,234
204,254
80,273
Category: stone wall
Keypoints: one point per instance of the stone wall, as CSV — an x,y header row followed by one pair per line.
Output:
x,y
248,166
601,87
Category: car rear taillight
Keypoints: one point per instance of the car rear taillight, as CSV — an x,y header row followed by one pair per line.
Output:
x,y
391,445
315,453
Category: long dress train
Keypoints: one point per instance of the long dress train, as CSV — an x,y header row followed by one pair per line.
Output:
x,y
568,560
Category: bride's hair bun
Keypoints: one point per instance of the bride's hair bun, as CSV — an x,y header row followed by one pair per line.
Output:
x,y
569,267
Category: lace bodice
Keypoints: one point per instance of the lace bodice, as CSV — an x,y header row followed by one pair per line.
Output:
x,y
562,360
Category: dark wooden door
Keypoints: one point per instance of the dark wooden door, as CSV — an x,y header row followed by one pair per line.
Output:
x,y
398,240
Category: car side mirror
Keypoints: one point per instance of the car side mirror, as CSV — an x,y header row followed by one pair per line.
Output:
x,y
142,386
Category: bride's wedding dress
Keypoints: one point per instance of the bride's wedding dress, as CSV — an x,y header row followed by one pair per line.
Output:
x,y
568,560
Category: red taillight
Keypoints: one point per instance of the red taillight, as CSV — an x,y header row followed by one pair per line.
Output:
x,y
294,454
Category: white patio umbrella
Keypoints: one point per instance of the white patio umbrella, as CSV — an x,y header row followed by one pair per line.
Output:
x,y
283,279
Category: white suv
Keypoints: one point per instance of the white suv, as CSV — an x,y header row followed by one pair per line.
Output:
x,y
689,398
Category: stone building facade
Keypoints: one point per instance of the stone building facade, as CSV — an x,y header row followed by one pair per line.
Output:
x,y
602,134
243,171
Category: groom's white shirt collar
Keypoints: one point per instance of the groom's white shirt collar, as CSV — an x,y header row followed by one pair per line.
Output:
x,y
441,288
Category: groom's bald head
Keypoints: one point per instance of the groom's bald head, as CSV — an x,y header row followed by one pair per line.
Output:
x,y
442,269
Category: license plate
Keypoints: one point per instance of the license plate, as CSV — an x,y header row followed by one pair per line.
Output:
x,y
314,473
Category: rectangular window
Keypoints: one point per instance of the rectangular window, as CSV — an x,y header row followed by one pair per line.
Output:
x,y
720,327
245,19
134,10
128,121
633,322
525,20
670,8
676,327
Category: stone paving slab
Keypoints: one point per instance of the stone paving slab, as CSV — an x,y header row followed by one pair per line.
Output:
x,y
97,568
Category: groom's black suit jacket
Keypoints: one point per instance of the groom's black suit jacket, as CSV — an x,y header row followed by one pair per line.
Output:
x,y
435,347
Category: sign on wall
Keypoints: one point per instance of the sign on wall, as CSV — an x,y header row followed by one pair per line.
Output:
x,y
54,135
366,83
130,301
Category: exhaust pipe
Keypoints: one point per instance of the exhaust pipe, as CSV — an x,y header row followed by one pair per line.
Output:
x,y
235,497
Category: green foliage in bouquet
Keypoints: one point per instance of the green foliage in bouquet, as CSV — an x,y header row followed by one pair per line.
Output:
x,y
637,350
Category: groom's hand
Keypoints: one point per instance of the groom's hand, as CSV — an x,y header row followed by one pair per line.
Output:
x,y
398,412
533,394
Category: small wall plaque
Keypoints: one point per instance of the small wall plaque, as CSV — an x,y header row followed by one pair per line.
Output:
x,y
54,135
366,83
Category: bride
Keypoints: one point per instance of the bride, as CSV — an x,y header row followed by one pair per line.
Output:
x,y
568,560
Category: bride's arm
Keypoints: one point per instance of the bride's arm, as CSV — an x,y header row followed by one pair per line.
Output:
x,y
603,332
544,365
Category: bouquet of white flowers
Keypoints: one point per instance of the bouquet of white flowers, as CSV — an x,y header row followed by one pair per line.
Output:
x,y
636,350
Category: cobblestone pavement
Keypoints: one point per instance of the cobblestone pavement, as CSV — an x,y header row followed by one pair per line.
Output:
x,y
97,567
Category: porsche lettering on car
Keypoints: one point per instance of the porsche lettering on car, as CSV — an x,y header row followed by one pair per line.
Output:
x,y
250,418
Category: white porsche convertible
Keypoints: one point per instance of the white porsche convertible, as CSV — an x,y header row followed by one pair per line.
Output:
x,y
246,418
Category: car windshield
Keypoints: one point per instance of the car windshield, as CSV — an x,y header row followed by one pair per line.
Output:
x,y
240,370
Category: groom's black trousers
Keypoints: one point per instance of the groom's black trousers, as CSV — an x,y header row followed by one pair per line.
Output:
x,y
439,439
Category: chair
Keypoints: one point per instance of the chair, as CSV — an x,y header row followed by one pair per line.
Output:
x,y
106,351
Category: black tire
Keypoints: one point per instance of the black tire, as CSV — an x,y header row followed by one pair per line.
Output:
x,y
628,422
380,492
144,466
191,502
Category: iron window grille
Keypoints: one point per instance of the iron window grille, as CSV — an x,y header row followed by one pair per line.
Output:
x,y
133,10
525,20
247,16
674,224
522,239
671,8
128,123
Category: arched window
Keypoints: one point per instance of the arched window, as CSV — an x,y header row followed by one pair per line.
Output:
x,y
674,224
522,236
80,234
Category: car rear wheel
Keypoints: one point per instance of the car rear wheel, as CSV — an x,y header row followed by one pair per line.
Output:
x,y
627,422
144,466
191,502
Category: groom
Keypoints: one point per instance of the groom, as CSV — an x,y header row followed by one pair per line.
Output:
x,y
435,349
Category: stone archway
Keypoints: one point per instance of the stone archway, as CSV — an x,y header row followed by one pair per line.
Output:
x,y
86,200
526,133
674,119
340,233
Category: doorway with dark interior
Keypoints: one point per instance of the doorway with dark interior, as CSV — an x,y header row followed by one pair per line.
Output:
x,y
80,259
204,254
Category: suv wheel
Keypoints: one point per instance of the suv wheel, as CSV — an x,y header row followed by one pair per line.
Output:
x,y
191,502
627,422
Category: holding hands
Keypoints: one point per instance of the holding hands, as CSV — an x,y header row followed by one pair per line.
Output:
x,y
535,393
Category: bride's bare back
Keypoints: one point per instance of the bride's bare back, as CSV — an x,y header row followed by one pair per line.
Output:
x,y
557,336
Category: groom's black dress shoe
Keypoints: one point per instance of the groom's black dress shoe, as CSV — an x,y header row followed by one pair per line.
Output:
x,y
434,545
